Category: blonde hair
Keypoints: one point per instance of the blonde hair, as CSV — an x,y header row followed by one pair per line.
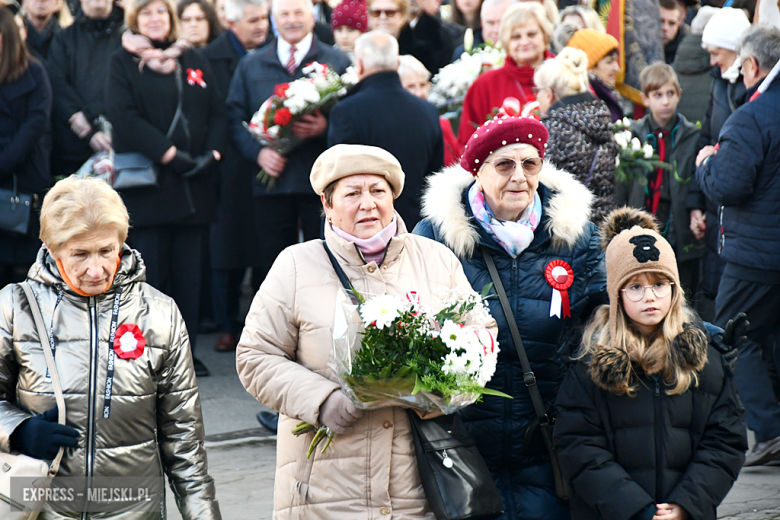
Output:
x,y
76,207
519,14
408,64
403,6
566,74
653,354
131,16
588,15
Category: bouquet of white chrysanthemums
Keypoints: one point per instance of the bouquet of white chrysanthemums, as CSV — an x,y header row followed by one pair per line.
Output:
x,y
392,351
453,81
634,161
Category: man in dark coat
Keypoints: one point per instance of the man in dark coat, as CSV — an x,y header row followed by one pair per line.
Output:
x,y
379,112
279,209
673,27
234,241
78,67
42,22
743,176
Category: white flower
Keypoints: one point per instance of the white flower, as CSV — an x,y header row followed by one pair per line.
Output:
x,y
382,309
636,144
626,122
648,149
273,132
316,68
620,140
617,162
452,334
350,77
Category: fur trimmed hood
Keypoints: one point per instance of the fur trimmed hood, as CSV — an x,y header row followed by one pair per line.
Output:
x,y
610,367
568,208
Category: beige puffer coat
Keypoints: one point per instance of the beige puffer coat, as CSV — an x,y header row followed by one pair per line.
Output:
x,y
282,360
155,422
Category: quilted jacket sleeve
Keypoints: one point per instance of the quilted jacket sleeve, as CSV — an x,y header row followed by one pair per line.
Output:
x,y
266,357
180,426
10,415
584,454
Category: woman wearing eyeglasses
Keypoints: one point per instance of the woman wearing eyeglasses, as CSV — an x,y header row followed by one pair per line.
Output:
x,y
580,126
427,41
534,221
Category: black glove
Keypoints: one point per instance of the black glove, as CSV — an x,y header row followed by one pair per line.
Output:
x,y
41,436
182,163
202,163
732,338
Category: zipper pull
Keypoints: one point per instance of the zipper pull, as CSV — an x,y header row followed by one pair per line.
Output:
x,y
657,387
447,461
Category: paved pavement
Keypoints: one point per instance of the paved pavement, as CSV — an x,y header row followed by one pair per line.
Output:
x,y
242,455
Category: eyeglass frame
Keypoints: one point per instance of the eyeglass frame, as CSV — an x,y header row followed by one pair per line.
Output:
x,y
644,287
522,162
377,13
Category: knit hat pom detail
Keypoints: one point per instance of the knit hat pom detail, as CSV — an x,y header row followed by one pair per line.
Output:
x,y
623,219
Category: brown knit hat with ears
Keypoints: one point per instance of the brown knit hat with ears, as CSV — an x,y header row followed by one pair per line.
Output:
x,y
633,246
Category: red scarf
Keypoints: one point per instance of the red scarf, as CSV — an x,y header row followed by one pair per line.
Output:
x,y
653,198
61,268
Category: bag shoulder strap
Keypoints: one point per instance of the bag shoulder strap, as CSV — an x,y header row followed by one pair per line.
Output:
x,y
43,336
179,90
528,376
337,267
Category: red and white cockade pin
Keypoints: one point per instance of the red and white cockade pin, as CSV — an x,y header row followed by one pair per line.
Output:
x,y
129,342
195,77
560,277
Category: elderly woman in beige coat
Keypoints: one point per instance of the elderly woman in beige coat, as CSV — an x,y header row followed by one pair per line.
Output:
x,y
370,470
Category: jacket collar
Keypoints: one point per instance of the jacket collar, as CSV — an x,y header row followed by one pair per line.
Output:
x,y
566,215
270,55
131,269
383,80
222,48
573,100
349,253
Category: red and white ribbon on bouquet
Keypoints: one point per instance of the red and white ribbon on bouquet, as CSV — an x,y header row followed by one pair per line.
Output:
x,y
560,277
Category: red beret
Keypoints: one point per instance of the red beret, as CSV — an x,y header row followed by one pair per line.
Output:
x,y
498,132
352,13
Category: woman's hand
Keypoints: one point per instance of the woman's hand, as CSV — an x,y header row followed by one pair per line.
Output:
x,y
670,512
698,224
338,412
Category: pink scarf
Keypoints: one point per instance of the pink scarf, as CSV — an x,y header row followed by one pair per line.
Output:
x,y
373,249
162,61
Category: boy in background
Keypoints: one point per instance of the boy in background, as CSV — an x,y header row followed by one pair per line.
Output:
x,y
674,139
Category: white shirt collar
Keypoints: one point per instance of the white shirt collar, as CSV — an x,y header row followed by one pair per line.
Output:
x,y
303,47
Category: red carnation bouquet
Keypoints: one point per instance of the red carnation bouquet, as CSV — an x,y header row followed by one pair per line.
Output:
x,y
320,89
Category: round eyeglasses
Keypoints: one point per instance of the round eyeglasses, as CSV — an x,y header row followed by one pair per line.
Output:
x,y
507,166
636,292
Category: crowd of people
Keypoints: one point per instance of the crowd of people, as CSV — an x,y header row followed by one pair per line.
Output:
x,y
648,365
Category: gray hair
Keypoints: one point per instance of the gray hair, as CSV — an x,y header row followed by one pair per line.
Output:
x,y
234,9
562,35
763,43
275,6
377,50
408,64
491,3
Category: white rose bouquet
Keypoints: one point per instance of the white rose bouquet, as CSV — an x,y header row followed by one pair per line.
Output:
x,y
390,351
634,161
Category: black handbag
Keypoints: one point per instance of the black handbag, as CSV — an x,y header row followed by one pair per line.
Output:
x,y
16,210
135,170
455,478
544,422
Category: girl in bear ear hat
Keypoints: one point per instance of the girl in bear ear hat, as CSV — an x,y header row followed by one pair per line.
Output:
x,y
649,424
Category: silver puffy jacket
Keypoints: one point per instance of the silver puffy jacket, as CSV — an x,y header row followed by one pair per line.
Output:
x,y
155,425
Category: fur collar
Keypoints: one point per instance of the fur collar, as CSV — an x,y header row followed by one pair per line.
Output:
x,y
610,367
568,208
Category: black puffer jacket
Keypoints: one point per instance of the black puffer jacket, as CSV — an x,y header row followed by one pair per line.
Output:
x,y
581,142
692,65
622,454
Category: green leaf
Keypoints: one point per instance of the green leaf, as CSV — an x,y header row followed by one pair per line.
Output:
x,y
490,391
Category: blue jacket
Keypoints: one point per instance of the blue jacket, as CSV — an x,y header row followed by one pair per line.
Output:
x,y
500,425
744,177
376,112
253,82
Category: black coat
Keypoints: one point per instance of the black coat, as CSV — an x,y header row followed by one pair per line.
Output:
x,y
78,67
503,428
581,142
379,112
429,41
692,64
234,240
25,108
141,107
39,43
744,177
254,81
622,454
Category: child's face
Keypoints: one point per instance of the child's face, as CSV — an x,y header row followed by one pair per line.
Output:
x,y
650,310
663,102
346,37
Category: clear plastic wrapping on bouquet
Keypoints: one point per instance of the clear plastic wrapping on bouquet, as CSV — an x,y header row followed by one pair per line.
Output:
x,y
371,393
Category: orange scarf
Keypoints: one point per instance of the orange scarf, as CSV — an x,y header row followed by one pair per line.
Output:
x,y
80,292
